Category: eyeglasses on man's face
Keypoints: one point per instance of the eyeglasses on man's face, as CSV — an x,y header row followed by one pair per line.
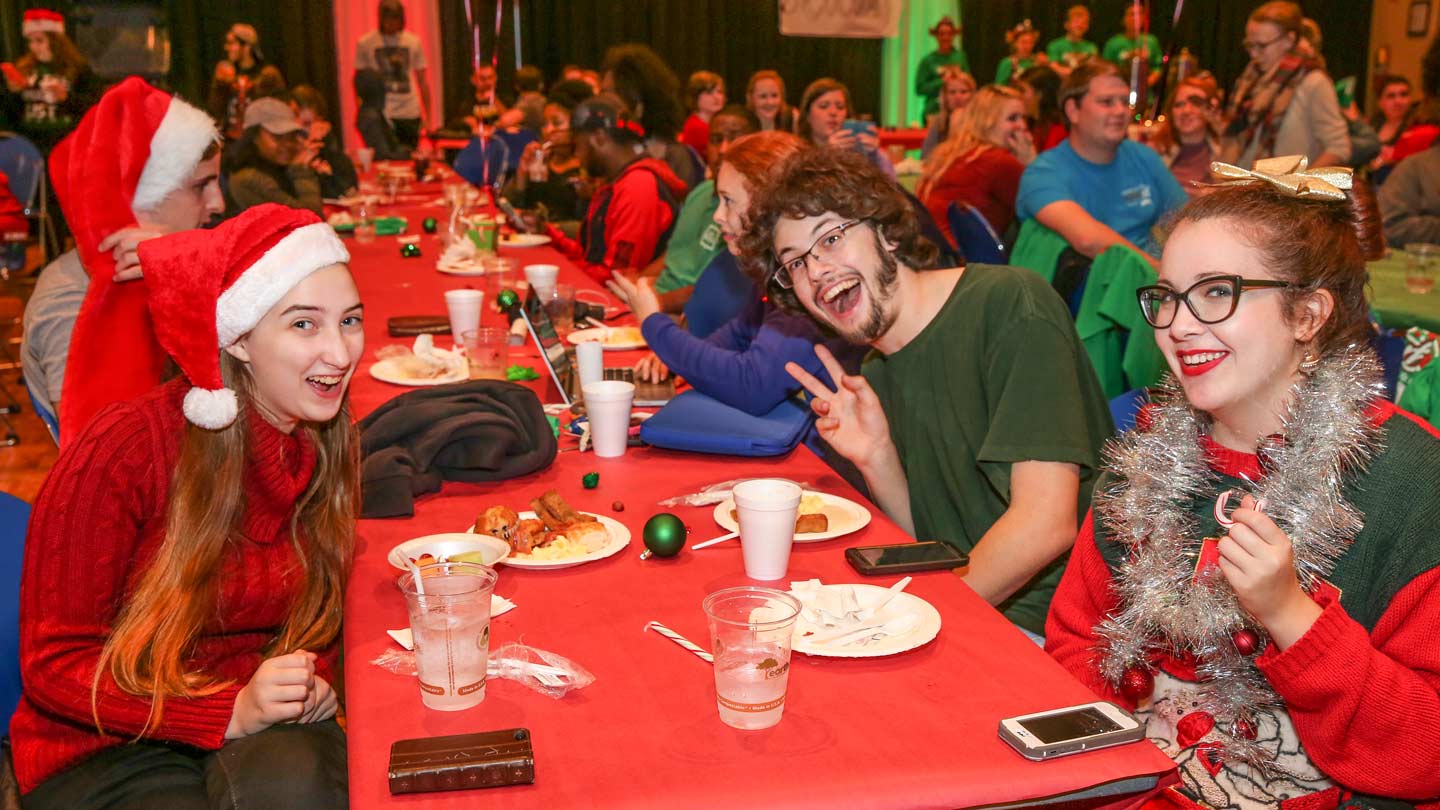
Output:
x,y
823,249
1210,300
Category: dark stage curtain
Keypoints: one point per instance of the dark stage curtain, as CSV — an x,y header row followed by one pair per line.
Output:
x,y
731,38
1211,29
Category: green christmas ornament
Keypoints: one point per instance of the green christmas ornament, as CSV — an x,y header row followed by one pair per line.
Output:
x,y
591,480
410,250
664,536
430,224
507,299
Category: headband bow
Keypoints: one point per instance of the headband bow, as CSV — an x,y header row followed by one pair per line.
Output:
x,y
1290,174
631,126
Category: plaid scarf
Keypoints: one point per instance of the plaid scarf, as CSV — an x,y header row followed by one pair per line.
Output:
x,y
1258,106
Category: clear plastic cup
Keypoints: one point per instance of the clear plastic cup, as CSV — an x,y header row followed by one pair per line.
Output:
x,y
1420,265
560,305
750,633
607,404
765,509
488,349
450,623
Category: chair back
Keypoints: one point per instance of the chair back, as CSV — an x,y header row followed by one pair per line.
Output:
x,y
23,164
14,518
977,241
52,423
515,142
1124,408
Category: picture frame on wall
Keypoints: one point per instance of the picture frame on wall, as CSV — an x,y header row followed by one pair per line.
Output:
x,y
1418,22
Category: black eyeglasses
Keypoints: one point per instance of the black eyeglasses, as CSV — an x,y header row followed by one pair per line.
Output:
x,y
822,249
1253,47
1218,297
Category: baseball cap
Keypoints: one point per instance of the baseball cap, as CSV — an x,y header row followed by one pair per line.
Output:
x,y
274,115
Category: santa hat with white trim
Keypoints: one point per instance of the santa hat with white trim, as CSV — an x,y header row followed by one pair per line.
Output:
x,y
129,152
40,20
209,288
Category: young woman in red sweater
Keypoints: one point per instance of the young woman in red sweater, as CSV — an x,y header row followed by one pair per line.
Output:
x,y
187,556
981,162
1292,661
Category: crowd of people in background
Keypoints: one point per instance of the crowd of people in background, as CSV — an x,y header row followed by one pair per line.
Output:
x,y
771,250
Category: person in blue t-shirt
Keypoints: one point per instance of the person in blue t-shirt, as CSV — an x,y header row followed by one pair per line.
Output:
x,y
1098,189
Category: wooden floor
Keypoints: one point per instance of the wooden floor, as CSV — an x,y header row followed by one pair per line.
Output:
x,y
23,466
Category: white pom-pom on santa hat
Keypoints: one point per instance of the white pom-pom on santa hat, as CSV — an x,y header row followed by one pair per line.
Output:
x,y
208,289
41,20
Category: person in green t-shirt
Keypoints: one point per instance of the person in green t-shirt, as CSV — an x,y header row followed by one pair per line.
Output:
x,y
1022,39
1135,43
927,74
978,420
1070,50
696,239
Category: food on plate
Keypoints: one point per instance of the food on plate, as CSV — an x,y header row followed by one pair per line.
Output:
x,y
556,532
809,519
422,361
341,219
615,336
478,557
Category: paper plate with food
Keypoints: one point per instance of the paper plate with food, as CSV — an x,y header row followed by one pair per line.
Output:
x,y
341,221
524,240
420,365
552,534
448,547
613,338
821,516
461,258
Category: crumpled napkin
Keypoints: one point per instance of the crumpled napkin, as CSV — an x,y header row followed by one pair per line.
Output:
x,y
460,254
838,616
498,605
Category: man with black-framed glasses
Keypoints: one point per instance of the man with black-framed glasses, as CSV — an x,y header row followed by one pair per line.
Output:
x,y
978,420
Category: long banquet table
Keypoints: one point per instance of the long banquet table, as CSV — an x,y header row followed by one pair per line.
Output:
x,y
913,730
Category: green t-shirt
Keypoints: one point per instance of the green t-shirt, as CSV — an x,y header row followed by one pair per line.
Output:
x,y
999,376
1119,48
1007,69
1064,51
927,75
694,242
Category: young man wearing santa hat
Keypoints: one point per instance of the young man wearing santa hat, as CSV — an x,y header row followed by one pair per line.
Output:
x,y
142,163
183,580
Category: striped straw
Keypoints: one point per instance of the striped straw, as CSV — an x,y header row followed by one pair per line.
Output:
x,y
682,641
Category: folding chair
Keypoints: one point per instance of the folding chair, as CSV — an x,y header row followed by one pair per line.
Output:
x,y
22,162
974,235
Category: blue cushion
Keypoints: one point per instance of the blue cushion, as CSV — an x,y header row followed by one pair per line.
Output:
x,y
14,518
700,424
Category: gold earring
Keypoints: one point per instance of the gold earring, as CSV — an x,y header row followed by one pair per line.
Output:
x,y
1309,363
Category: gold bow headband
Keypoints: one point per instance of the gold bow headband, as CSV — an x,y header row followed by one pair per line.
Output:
x,y
1290,174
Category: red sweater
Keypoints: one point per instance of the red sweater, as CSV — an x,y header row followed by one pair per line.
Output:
x,y
1363,704
988,182
98,521
632,210
696,134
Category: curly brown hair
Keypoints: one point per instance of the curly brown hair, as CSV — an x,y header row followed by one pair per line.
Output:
x,y
818,181
1314,244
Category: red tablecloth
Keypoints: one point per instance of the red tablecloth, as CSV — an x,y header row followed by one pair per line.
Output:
x,y
913,730
908,138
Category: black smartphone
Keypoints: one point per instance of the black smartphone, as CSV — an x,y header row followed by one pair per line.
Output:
x,y
905,558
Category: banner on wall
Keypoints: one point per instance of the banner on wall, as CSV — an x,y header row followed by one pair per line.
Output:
x,y
840,18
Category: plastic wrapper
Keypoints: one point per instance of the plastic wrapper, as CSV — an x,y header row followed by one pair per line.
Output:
x,y
546,672
717,493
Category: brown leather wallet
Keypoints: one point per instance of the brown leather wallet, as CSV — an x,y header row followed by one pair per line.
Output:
x,y
411,325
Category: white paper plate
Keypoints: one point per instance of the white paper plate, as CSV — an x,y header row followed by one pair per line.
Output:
x,y
447,545
612,338
524,240
903,603
846,516
619,539
389,371
461,268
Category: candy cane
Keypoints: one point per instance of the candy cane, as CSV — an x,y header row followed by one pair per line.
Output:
x,y
682,641
1220,502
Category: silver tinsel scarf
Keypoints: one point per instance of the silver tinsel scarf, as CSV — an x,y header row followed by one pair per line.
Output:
x,y
1327,439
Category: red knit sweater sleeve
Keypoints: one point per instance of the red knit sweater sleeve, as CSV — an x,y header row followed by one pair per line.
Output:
x,y
1081,601
86,540
1364,705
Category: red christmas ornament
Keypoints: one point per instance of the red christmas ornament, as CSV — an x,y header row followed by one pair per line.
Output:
x,y
1246,641
1244,729
1137,683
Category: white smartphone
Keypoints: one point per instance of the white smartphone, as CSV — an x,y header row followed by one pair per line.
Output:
x,y
1046,735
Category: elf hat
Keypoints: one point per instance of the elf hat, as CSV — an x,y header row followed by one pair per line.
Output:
x,y
132,149
38,20
209,288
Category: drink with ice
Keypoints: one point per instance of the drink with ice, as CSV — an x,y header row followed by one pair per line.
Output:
x,y
750,632
450,622
750,686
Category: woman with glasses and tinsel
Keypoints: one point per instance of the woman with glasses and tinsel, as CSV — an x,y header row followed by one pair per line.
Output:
x,y
1260,575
